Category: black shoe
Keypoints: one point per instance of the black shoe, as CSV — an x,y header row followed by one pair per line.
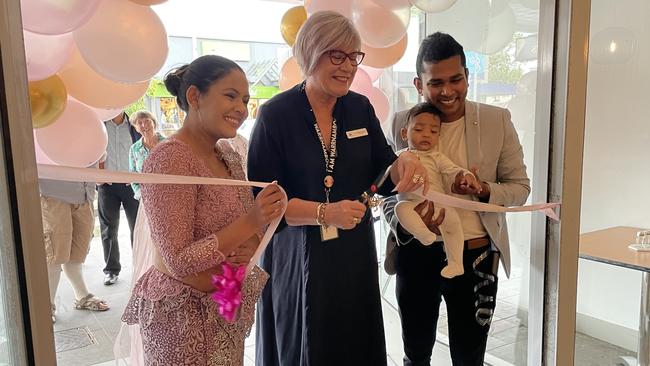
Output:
x,y
110,279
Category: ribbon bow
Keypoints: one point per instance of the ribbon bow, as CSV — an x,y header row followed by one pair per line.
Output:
x,y
227,292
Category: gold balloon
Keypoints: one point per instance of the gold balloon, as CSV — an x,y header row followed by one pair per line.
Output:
x,y
291,22
47,99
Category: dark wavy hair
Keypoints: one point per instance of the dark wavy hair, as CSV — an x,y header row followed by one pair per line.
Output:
x,y
437,47
202,73
424,107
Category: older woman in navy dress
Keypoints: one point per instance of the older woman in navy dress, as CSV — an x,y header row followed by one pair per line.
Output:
x,y
324,145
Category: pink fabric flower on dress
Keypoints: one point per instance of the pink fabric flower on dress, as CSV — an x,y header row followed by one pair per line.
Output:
x,y
228,290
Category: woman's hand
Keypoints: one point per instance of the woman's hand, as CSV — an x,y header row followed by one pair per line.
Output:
x,y
409,174
344,214
269,205
244,253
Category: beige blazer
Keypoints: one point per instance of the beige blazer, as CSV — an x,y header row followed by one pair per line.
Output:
x,y
493,147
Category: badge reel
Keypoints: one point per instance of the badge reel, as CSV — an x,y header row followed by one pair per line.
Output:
x,y
328,232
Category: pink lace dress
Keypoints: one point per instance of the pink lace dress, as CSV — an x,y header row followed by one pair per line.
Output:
x,y
179,324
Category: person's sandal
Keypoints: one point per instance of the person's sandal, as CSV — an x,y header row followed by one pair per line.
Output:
x,y
92,303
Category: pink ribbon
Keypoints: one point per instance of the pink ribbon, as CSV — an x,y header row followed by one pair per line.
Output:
x,y
228,290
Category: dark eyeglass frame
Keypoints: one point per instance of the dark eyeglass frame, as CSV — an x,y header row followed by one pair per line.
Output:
x,y
352,56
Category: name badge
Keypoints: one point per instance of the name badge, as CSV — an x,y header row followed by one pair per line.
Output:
x,y
328,233
356,133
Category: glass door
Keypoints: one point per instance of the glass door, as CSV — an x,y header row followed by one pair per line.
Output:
x,y
612,321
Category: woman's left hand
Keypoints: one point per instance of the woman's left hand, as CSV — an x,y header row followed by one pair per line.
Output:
x,y
409,174
244,253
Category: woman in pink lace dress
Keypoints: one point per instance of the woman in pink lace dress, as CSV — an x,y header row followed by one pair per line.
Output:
x,y
195,228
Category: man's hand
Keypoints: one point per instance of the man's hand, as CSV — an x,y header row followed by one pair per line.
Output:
x,y
426,210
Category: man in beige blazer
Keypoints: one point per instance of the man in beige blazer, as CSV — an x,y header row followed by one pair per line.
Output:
x,y
483,139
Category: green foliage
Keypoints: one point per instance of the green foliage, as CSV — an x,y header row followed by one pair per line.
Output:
x,y
502,68
139,104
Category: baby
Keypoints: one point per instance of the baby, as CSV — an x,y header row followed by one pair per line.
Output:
x,y
422,131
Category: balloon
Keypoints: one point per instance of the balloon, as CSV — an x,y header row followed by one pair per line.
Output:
x,y
41,157
291,22
433,6
361,83
499,33
148,2
372,72
290,74
56,17
87,86
380,26
123,41
475,12
107,114
340,6
392,4
379,102
78,138
45,55
384,57
47,100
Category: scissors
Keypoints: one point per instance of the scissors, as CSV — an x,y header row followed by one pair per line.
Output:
x,y
368,197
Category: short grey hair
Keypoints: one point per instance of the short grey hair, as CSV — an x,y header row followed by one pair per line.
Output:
x,y
143,114
323,31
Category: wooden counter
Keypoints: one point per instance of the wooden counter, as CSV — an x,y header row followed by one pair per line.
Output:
x,y
611,246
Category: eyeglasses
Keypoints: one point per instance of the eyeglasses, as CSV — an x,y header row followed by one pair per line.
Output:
x,y
338,57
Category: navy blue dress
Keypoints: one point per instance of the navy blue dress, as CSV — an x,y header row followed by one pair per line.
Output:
x,y
321,305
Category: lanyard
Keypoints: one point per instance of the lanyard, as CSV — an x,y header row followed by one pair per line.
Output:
x,y
330,158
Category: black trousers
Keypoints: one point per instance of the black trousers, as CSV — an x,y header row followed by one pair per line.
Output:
x,y
419,290
110,198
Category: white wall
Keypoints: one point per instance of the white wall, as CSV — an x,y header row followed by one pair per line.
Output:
x,y
616,176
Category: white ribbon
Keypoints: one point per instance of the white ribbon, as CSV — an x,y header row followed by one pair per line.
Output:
x,y
451,201
71,174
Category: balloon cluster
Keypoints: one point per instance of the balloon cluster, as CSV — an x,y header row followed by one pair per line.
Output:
x,y
383,27
86,61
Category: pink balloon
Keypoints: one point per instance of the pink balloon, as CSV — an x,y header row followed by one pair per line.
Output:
x,y
92,89
392,4
362,83
372,72
45,55
290,74
56,17
41,157
342,7
379,101
78,138
106,114
380,26
123,41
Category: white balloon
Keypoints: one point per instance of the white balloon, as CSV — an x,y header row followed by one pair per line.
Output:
x,y
464,21
433,6
499,32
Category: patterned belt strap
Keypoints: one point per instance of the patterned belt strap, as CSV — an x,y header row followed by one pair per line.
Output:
x,y
483,314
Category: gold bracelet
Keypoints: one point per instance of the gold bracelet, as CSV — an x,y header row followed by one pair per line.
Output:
x,y
318,222
320,218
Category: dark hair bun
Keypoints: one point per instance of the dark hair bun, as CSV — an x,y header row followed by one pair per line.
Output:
x,y
174,78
